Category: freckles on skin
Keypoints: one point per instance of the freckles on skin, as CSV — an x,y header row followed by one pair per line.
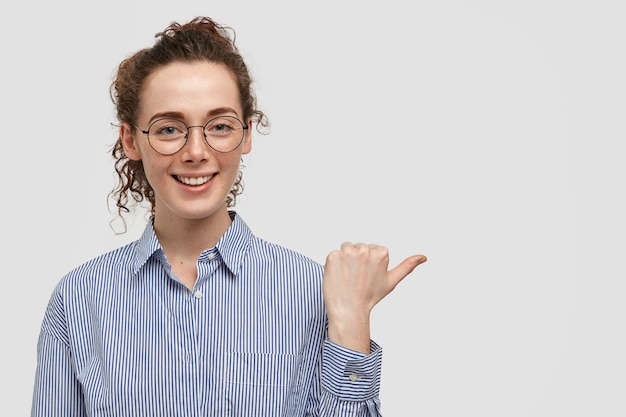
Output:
x,y
194,93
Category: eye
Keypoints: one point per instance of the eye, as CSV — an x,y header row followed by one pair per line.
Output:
x,y
221,127
168,130
165,129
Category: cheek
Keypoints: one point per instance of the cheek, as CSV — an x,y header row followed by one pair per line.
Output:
x,y
229,162
152,172
230,166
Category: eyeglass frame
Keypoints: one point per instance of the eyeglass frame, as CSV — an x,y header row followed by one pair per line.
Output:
x,y
147,133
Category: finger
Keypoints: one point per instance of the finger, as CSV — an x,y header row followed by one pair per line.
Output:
x,y
347,245
356,247
405,267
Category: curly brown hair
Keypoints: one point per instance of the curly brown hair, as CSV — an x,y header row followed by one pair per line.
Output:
x,y
201,39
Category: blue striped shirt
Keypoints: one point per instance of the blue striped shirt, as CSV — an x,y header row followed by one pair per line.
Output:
x,y
122,336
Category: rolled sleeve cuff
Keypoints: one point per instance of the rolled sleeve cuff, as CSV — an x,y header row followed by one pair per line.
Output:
x,y
350,375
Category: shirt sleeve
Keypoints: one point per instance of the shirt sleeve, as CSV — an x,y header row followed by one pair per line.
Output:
x,y
57,392
350,381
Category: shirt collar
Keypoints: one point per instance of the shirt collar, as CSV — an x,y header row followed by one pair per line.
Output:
x,y
232,246
235,243
147,245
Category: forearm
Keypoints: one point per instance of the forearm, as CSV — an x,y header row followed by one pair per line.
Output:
x,y
351,332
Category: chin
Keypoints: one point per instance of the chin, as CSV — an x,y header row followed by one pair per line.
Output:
x,y
204,212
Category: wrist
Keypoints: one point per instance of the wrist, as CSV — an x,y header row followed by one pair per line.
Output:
x,y
350,332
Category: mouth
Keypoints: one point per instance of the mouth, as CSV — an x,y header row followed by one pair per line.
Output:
x,y
193,181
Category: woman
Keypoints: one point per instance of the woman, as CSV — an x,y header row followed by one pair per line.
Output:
x,y
199,317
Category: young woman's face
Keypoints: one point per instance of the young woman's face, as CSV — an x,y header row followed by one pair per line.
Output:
x,y
193,93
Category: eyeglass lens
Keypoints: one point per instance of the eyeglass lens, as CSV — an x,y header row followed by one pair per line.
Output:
x,y
168,136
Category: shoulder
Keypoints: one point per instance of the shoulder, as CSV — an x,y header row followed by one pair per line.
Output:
x,y
271,262
263,257
74,293
267,251
113,265
292,281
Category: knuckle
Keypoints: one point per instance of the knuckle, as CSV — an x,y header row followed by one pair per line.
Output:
x,y
333,255
381,251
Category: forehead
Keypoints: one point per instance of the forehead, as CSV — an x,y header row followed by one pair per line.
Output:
x,y
190,88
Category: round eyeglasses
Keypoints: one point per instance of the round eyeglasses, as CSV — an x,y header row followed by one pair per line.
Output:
x,y
168,136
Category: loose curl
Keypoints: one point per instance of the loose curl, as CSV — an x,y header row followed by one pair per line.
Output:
x,y
201,39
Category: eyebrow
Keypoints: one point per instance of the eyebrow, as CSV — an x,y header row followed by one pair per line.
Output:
x,y
178,115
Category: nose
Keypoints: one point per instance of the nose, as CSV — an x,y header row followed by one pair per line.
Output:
x,y
196,148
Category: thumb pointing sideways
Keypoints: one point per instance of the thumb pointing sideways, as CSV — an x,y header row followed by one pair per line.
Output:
x,y
404,268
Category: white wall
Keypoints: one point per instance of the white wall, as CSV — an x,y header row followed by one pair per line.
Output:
x,y
484,134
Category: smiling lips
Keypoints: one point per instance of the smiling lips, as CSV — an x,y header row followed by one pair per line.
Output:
x,y
194,180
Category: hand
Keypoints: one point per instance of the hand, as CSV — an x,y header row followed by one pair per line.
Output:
x,y
355,280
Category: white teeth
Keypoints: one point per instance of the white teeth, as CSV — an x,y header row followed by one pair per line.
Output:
x,y
194,180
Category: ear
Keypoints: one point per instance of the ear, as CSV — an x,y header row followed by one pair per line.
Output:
x,y
247,140
129,143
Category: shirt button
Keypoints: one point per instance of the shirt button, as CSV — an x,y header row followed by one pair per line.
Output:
x,y
212,256
354,377
198,294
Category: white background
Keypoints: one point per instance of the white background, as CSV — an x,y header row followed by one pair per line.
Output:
x,y
485,134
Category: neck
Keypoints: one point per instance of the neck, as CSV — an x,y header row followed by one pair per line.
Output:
x,y
187,238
